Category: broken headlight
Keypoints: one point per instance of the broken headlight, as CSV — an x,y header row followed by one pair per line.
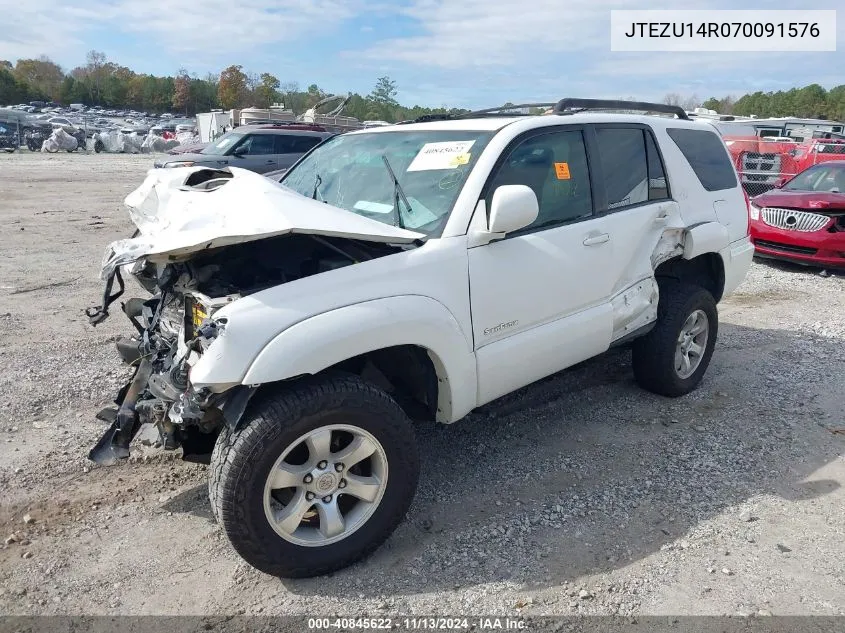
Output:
x,y
199,310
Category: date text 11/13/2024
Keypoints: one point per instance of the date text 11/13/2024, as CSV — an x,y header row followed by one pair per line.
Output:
x,y
418,624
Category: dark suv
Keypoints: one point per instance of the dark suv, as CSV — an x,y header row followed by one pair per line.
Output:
x,y
255,147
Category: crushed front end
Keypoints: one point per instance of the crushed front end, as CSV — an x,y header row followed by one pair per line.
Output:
x,y
173,329
207,238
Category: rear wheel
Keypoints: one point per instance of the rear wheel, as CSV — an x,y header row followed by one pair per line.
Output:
x,y
318,476
672,358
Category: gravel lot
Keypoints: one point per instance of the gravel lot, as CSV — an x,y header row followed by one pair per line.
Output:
x,y
577,495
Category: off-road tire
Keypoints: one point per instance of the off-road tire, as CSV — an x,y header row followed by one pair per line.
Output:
x,y
654,354
242,459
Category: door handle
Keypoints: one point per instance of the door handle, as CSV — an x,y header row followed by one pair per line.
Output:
x,y
662,219
597,239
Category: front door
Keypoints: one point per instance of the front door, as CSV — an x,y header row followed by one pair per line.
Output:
x,y
540,296
258,154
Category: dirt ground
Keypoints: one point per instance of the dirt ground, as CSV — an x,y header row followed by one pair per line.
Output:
x,y
580,494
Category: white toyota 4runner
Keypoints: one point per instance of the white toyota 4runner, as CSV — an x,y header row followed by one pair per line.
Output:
x,y
404,273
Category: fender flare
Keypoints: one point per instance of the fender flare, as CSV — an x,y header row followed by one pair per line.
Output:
x,y
709,237
323,340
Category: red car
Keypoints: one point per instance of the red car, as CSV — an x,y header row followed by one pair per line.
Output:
x,y
803,220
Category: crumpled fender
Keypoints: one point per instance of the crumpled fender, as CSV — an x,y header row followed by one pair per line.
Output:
x,y
326,339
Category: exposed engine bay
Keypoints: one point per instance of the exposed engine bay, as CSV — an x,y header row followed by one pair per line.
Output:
x,y
205,239
175,326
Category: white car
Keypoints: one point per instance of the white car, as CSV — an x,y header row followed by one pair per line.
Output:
x,y
62,122
413,272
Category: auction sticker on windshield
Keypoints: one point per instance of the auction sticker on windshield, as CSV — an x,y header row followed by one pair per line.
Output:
x,y
444,155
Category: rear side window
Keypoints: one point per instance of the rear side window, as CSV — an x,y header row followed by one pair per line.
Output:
x,y
707,156
291,144
302,144
631,166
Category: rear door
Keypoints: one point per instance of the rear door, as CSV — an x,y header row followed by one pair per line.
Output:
x,y
635,201
290,148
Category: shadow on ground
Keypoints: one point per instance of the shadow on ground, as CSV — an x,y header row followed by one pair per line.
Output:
x,y
590,473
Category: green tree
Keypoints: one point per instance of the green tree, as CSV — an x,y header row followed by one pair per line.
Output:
x,y
712,104
313,95
836,103
12,91
42,75
204,93
95,62
384,92
181,91
267,92
811,102
232,87
294,99
383,100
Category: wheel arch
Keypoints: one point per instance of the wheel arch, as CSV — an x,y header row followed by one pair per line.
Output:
x,y
706,270
412,344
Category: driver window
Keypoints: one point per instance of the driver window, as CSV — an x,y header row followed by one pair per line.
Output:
x,y
554,166
257,144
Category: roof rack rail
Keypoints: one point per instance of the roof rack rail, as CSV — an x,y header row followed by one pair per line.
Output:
x,y
565,106
499,111
505,110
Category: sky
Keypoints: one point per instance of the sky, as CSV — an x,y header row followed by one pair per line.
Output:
x,y
461,53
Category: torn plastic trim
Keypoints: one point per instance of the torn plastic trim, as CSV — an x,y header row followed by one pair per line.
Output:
x,y
113,446
234,406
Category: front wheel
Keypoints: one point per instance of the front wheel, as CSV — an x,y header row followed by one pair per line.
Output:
x,y
317,476
672,358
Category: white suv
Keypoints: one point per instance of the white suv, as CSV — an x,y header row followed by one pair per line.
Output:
x,y
409,272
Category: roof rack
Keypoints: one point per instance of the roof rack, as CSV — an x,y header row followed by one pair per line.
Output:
x,y
500,111
562,107
505,110
567,105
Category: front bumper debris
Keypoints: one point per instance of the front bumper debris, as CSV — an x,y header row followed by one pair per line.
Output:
x,y
114,444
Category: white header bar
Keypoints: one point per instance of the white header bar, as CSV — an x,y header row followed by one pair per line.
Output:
x,y
723,31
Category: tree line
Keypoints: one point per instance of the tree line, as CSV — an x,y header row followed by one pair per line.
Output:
x,y
103,83
809,102
100,82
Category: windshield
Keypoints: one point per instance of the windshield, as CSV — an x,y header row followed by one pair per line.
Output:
x,y
349,172
822,178
223,144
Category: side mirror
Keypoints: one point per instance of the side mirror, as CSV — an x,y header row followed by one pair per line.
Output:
x,y
780,182
240,152
513,207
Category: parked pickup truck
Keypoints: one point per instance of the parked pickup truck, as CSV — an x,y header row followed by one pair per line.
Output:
x,y
297,331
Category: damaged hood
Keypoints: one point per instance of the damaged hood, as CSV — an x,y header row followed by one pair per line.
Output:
x,y
175,219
